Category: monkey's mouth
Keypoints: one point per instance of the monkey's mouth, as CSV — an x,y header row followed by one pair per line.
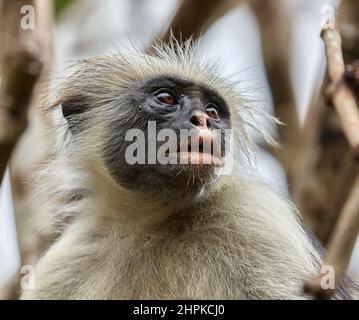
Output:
x,y
199,156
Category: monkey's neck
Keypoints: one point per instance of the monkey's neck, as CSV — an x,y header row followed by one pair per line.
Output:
x,y
101,196
137,208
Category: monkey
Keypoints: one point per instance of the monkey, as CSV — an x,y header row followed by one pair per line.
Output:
x,y
184,230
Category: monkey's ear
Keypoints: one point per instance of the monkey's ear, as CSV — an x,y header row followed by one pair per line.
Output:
x,y
72,110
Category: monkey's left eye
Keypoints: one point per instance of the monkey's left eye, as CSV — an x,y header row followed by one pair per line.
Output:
x,y
166,98
211,110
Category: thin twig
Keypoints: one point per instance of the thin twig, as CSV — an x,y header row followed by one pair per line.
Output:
x,y
346,230
341,95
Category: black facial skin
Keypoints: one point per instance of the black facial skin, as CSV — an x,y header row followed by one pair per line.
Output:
x,y
171,102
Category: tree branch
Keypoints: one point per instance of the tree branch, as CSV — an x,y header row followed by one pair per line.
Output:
x,y
346,230
193,18
190,19
275,27
341,245
21,67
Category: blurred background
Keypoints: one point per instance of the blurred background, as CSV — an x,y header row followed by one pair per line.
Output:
x,y
275,51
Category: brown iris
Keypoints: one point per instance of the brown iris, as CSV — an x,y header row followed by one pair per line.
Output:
x,y
166,98
212,112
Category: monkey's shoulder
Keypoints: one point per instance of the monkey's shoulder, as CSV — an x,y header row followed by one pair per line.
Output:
x,y
204,251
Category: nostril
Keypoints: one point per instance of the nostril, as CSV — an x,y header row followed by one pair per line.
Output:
x,y
200,120
194,120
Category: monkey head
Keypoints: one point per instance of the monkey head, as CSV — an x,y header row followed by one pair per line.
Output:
x,y
154,123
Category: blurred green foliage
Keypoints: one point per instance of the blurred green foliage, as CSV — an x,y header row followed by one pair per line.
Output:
x,y
59,5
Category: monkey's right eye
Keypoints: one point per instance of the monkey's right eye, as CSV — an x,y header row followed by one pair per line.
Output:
x,y
166,98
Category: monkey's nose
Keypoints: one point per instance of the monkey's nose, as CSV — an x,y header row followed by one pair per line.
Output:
x,y
200,120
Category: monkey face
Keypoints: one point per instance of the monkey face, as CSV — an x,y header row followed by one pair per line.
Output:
x,y
160,133
173,136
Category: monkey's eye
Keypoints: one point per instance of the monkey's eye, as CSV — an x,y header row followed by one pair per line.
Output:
x,y
211,110
166,98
